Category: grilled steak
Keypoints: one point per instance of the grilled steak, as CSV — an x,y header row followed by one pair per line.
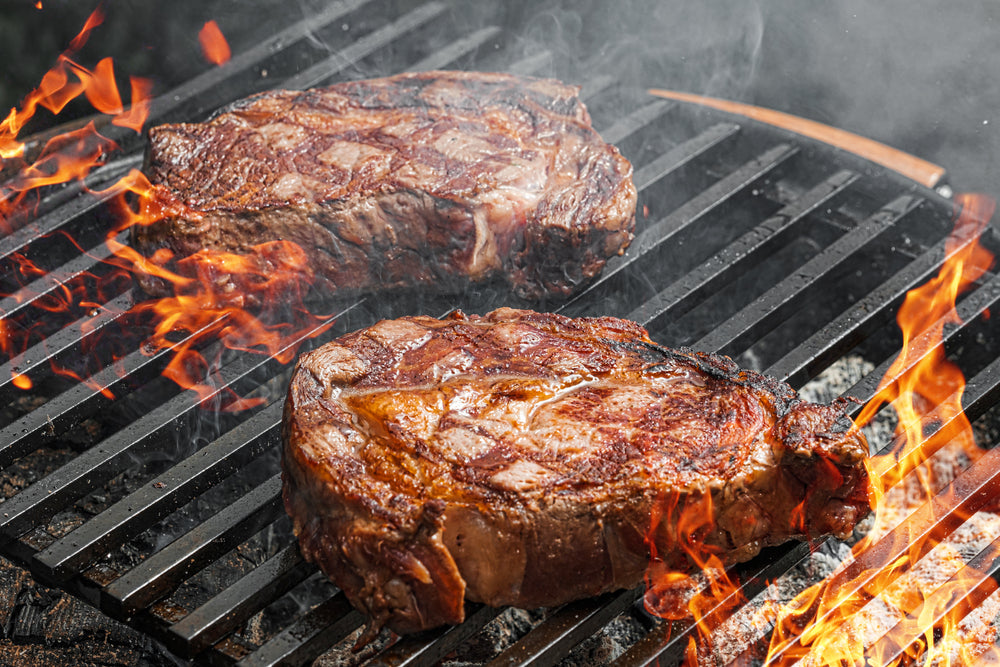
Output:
x,y
438,178
517,458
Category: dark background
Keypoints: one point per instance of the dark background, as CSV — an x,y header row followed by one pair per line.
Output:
x,y
920,75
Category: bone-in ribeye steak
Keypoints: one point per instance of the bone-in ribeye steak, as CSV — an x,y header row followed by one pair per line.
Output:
x,y
430,179
516,458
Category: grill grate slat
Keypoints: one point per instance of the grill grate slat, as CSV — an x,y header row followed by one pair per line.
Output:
x,y
979,577
324,70
161,572
773,306
99,463
50,221
871,571
421,652
65,341
970,308
650,238
566,627
318,629
455,50
722,267
81,400
854,324
55,279
235,604
635,121
160,496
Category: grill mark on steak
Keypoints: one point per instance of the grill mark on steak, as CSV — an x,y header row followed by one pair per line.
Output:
x,y
517,458
435,179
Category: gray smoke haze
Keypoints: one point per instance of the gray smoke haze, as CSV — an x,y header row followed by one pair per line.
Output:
x,y
920,75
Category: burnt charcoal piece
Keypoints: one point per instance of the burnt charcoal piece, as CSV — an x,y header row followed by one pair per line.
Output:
x,y
434,179
518,458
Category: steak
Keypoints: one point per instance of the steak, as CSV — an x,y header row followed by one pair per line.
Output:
x,y
432,179
518,458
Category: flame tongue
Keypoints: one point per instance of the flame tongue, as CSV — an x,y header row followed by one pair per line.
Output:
x,y
73,155
830,623
251,302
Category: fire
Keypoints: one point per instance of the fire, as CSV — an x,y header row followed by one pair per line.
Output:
x,y
262,314
911,597
672,594
214,46
72,155
828,624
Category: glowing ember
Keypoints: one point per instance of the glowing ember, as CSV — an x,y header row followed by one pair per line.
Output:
x,y
214,46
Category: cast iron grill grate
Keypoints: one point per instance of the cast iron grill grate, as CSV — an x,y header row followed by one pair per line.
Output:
x,y
753,242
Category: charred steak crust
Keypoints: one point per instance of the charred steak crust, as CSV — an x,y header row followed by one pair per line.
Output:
x,y
517,458
436,178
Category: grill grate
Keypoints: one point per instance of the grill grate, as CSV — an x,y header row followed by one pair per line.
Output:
x,y
751,241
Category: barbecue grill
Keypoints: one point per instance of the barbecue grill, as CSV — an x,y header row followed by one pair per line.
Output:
x,y
162,511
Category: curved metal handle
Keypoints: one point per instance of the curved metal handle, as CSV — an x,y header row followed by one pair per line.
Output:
x,y
926,173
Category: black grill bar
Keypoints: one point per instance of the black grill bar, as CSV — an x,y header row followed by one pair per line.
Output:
x,y
56,218
776,304
532,64
635,121
725,265
164,570
455,50
871,570
317,630
859,321
63,342
681,155
98,464
650,238
365,46
53,280
160,496
565,628
200,94
971,307
67,409
420,652
236,603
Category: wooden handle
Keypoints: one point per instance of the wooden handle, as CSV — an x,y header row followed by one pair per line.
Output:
x,y
926,173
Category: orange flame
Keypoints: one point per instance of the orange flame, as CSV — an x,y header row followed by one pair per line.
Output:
x,y
920,378
214,46
72,155
264,312
673,593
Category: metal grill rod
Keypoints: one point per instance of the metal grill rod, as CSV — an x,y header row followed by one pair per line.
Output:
x,y
980,576
60,413
160,496
660,232
36,359
724,266
777,303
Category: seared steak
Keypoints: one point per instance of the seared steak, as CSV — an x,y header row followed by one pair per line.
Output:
x,y
518,458
438,178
